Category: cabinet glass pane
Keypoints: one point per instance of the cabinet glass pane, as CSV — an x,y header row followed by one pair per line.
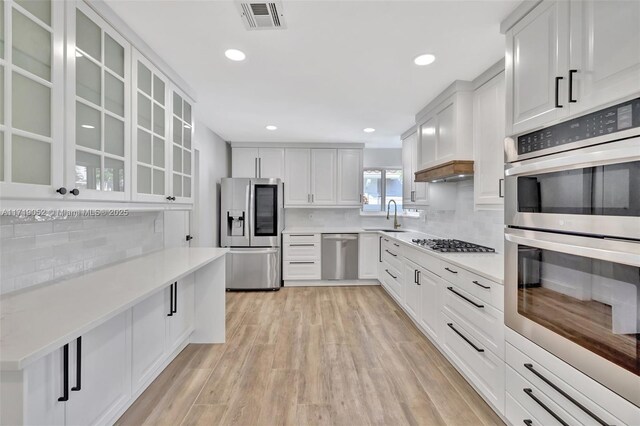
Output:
x,y
144,111
144,180
144,146
114,94
31,46
88,84
187,136
144,78
88,127
158,90
1,95
87,170
30,161
177,105
1,28
1,154
88,36
113,55
41,9
187,163
113,136
187,112
177,159
113,175
158,119
31,105
177,131
187,187
158,182
158,152
177,185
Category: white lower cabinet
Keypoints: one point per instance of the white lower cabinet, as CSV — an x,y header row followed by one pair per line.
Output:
x,y
148,331
43,387
301,257
368,255
412,299
180,324
430,300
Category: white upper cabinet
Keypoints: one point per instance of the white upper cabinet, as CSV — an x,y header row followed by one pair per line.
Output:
x,y
323,176
267,163
605,52
31,98
568,57
98,102
150,131
297,187
413,193
488,141
349,181
181,151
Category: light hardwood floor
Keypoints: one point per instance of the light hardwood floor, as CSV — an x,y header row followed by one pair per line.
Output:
x,y
312,356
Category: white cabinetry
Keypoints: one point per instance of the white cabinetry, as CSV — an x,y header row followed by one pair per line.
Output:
x,y
301,257
181,151
323,176
31,99
412,300
564,58
413,193
430,303
368,255
43,380
349,178
297,188
488,141
257,162
149,329
180,323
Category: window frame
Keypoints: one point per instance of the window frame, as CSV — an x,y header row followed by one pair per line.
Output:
x,y
383,189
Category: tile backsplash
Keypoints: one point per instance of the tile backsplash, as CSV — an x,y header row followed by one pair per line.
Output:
x,y
36,251
460,220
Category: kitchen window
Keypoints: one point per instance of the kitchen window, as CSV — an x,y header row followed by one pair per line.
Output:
x,y
380,186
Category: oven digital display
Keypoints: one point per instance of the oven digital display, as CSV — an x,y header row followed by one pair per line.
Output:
x,y
610,120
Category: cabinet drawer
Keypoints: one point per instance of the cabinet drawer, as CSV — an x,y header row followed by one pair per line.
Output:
x,y
450,272
300,270
391,245
423,259
302,251
392,257
533,372
484,369
485,321
486,290
517,415
393,280
536,402
301,238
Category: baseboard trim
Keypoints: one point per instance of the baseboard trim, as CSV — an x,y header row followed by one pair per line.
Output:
x,y
329,283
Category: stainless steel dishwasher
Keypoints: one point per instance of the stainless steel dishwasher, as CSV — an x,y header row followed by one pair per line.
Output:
x,y
339,256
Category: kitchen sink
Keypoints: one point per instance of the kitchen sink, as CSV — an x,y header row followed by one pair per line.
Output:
x,y
385,230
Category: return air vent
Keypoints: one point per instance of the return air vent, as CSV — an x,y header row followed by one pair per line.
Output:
x,y
262,16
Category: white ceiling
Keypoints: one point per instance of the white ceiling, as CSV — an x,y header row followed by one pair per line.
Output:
x,y
338,67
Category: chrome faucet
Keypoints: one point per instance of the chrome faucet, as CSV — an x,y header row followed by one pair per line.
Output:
x,y
396,225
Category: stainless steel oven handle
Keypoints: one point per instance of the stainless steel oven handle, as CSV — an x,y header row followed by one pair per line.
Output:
x,y
609,250
576,160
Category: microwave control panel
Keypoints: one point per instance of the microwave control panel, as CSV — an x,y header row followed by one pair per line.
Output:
x,y
610,120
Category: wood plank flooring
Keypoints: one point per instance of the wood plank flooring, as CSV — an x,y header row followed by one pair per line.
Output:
x,y
312,356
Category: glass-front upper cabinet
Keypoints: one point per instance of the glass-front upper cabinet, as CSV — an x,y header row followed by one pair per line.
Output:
x,y
98,102
181,148
151,118
31,98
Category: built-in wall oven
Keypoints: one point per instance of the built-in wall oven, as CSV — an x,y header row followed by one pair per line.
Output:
x,y
572,243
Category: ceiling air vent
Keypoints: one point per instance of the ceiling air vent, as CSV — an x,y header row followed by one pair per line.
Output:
x,y
262,16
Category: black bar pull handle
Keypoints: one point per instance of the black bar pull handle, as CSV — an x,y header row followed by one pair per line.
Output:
x,y
393,276
175,298
415,276
170,314
418,280
392,254
380,250
566,395
486,287
527,422
464,338
477,305
451,270
544,406
557,90
500,193
65,374
78,385
571,73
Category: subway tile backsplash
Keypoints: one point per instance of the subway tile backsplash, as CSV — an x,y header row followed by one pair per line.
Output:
x,y
39,251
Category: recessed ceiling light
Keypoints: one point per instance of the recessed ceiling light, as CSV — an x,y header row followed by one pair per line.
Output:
x,y
88,126
369,130
271,127
424,59
235,54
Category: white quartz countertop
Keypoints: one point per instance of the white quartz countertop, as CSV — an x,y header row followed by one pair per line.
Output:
x,y
330,230
487,265
37,321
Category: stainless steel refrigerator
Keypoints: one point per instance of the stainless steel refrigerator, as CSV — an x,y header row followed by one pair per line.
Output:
x,y
252,219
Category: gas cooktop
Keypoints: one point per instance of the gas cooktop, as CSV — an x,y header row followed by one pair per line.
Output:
x,y
452,246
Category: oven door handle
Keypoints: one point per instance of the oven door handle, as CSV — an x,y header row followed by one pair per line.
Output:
x,y
615,251
628,152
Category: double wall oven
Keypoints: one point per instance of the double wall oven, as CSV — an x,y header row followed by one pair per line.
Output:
x,y
572,243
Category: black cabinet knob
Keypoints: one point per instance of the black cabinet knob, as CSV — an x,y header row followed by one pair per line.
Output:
x,y
170,198
75,191
189,238
61,190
